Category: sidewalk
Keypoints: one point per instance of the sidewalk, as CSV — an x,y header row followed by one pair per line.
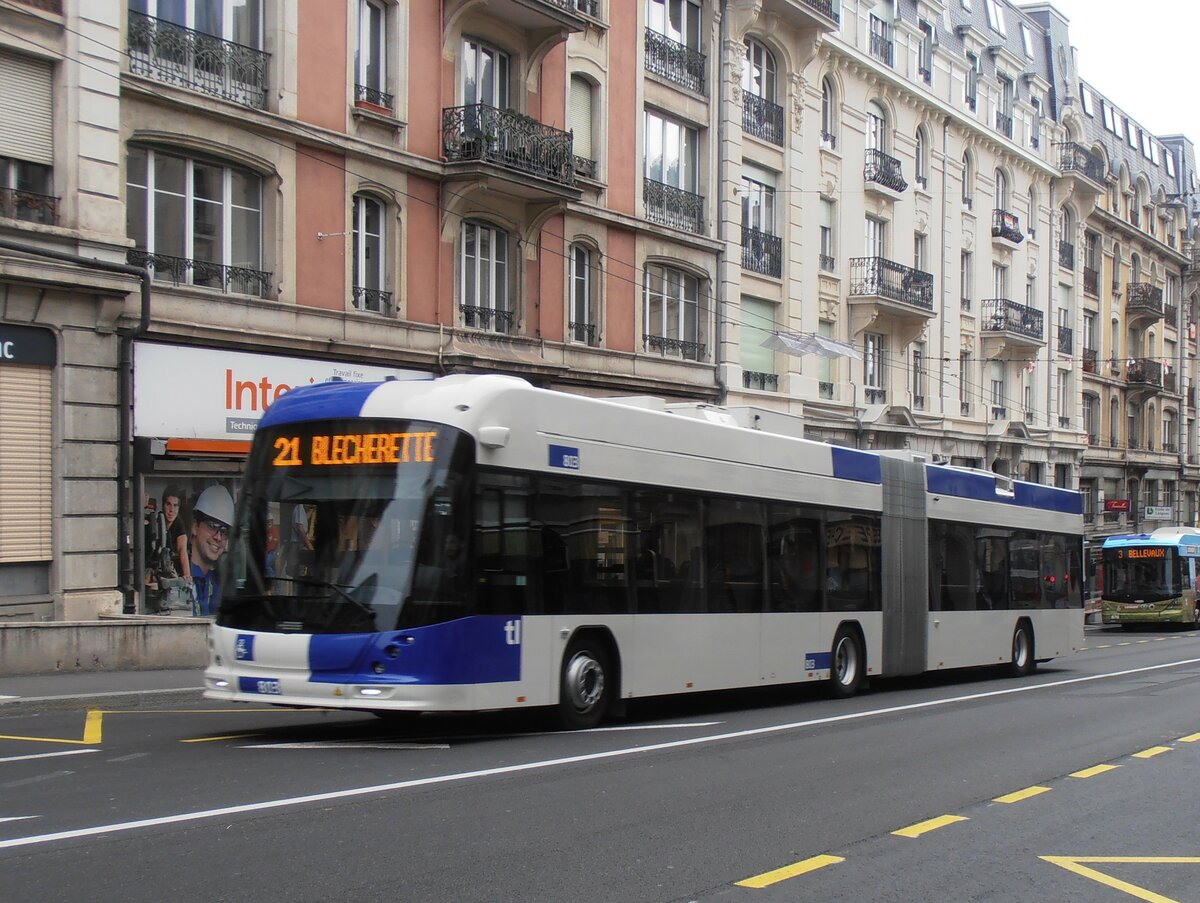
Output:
x,y
25,694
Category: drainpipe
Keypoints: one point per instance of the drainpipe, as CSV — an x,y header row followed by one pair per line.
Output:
x,y
125,513
718,323
942,273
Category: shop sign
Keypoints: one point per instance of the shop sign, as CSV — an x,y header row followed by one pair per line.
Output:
x,y
1116,504
1159,512
203,393
26,345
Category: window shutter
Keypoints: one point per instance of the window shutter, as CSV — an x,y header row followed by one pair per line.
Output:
x,y
580,115
26,109
758,324
25,479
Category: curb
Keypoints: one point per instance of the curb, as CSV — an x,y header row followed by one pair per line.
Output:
x,y
121,699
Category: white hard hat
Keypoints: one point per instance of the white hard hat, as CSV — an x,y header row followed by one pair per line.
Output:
x,y
216,504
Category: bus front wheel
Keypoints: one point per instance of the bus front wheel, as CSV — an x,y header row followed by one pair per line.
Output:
x,y
586,685
847,664
1023,662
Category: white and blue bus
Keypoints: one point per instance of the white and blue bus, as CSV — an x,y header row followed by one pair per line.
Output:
x,y
1150,578
475,543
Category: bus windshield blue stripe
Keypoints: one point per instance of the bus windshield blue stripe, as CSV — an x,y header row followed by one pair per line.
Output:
x,y
325,401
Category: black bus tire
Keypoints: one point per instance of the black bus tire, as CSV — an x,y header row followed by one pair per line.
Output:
x,y
847,664
585,684
1023,662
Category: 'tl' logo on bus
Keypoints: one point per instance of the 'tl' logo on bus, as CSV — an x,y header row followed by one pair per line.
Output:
x,y
512,633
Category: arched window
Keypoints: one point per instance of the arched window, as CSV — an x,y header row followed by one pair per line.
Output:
x,y
968,183
370,272
1066,239
1001,190
877,128
762,116
581,117
196,221
483,271
828,113
671,318
1114,423
584,323
758,74
922,161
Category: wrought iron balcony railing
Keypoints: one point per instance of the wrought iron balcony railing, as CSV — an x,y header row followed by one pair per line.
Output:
x,y
766,382
233,280
1004,124
828,263
882,46
762,252
374,96
587,7
1091,282
584,167
674,207
878,276
1003,315
762,118
373,300
1169,379
475,317
28,206
825,8
829,140
1066,255
1144,298
182,56
689,351
884,170
1066,339
674,61
1171,314
508,139
875,395
1144,372
583,333
1007,226
1075,158
1091,359
825,390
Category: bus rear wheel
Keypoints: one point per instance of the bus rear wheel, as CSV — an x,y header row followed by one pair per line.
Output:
x,y
585,687
847,664
1023,662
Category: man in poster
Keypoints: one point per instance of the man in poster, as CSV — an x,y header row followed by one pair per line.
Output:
x,y
212,516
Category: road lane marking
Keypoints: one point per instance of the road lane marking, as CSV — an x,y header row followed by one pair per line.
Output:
x,y
932,824
625,752
17,817
766,879
345,744
92,726
1093,771
1151,752
65,752
1017,795
1074,864
1190,738
223,737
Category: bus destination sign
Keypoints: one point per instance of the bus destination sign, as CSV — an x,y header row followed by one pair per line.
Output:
x,y
353,449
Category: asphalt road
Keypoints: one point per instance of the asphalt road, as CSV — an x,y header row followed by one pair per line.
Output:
x,y
971,786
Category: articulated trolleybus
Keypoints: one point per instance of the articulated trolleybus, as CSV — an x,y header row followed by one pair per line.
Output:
x,y
1151,577
474,543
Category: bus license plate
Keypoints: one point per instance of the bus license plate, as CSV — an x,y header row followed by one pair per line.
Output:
x,y
264,686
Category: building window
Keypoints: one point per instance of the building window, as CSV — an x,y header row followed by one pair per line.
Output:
x,y
1031,223
25,191
919,377
485,74
922,159
762,116
584,325
999,393
370,57
672,174
671,319
824,364
966,384
761,248
971,81
27,140
995,16
828,113
877,127
195,222
1064,398
485,279
920,252
925,53
370,274
968,184
758,362
580,116
1004,119
673,30
875,367
828,247
876,237
1002,192
965,280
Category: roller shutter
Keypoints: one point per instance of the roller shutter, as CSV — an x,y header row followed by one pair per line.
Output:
x,y
25,477
26,109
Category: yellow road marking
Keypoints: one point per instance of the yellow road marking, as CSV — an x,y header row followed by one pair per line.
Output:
x,y
91,732
1074,864
1018,795
926,826
1151,752
223,737
1190,738
1093,771
766,879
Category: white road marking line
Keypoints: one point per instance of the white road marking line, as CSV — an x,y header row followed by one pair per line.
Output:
x,y
65,752
17,817
350,793
342,744
10,697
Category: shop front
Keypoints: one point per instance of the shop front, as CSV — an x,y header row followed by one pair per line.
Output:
x,y
194,413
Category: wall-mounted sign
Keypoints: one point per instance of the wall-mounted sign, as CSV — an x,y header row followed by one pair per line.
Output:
x,y
1159,512
1116,504
202,393
27,345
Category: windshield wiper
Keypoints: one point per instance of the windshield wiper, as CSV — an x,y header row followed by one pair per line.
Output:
x,y
340,589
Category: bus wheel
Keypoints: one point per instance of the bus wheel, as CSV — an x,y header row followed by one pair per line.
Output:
x,y
846,664
1023,662
585,688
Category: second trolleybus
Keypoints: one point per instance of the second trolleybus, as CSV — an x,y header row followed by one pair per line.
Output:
x,y
1150,578
478,543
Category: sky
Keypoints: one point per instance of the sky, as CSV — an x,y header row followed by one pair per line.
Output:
x,y
1141,55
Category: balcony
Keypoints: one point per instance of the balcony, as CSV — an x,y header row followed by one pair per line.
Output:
x,y
170,53
1066,339
875,395
1091,360
1024,325
551,17
827,262
822,14
764,382
1144,374
1091,281
1169,380
1007,227
762,252
1066,255
232,280
675,62
1004,124
479,139
1171,314
762,118
1076,161
372,300
1143,302
889,297
883,171
673,207
28,207
882,47
487,318
667,347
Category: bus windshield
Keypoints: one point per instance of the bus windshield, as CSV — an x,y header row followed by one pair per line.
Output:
x,y
1141,574
349,527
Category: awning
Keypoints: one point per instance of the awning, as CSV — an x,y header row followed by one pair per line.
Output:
x,y
801,344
